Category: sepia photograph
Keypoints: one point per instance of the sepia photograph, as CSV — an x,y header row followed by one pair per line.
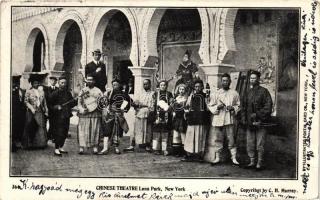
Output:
x,y
159,100
154,92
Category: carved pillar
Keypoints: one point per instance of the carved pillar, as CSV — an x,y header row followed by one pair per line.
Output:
x,y
213,72
140,74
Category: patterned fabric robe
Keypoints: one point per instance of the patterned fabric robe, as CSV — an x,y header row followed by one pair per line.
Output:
x,y
114,122
162,125
89,122
35,133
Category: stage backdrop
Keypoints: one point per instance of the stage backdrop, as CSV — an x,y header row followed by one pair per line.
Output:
x,y
171,56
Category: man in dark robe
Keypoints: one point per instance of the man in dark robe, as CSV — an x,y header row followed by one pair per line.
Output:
x,y
62,103
18,113
97,69
48,91
255,112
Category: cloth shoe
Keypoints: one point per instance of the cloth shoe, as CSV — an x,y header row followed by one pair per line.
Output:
x,y
259,165
95,150
129,149
62,150
57,152
187,158
252,163
217,159
81,151
234,156
105,146
117,151
148,149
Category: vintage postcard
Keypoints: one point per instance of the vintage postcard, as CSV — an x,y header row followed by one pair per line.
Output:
x,y
160,100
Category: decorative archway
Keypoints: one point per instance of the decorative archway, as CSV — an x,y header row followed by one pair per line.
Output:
x,y
227,43
148,43
34,31
67,20
102,18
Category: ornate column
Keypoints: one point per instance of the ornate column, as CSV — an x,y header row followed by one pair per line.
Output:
x,y
140,74
213,72
218,50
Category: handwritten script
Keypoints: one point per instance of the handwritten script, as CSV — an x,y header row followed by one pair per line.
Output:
x,y
309,61
150,192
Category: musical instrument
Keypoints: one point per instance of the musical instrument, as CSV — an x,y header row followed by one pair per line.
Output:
x,y
124,104
80,95
158,79
90,103
162,104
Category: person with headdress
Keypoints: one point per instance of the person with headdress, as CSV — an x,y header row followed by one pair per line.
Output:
x,y
61,104
113,121
97,69
35,132
89,116
198,119
162,125
18,112
179,122
142,133
48,90
224,106
256,110
187,72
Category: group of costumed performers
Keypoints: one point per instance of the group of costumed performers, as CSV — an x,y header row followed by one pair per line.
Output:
x,y
179,120
187,122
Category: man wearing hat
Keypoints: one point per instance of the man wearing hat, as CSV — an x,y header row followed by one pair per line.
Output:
x,y
255,111
98,70
48,90
18,112
61,104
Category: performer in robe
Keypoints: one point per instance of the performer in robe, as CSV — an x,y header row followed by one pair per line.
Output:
x,y
18,113
89,116
224,106
187,72
143,105
256,110
35,132
179,120
97,69
162,125
114,122
62,103
198,118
